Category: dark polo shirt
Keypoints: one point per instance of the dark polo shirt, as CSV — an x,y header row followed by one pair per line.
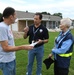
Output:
x,y
35,34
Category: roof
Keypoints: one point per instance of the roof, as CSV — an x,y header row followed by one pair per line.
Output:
x,y
28,15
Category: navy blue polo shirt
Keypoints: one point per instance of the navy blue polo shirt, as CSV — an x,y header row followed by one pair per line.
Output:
x,y
35,34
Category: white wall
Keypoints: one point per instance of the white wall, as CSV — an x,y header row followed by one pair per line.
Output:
x,y
15,27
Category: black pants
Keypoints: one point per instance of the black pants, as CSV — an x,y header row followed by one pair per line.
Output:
x,y
60,71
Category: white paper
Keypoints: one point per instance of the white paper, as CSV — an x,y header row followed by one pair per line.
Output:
x,y
33,44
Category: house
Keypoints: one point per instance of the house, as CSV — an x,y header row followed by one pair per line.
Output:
x,y
73,23
26,19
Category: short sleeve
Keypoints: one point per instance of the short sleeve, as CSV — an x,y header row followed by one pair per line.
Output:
x,y
3,34
46,34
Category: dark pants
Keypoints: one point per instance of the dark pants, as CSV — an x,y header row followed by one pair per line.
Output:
x,y
60,71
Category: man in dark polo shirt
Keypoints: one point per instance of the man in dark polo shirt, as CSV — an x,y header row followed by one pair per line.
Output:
x,y
36,32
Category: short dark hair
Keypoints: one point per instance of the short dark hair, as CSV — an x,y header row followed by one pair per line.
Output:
x,y
7,12
40,15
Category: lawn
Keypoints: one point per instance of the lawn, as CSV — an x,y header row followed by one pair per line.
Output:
x,y
22,57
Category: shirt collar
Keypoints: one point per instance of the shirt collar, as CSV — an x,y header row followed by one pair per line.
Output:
x,y
65,32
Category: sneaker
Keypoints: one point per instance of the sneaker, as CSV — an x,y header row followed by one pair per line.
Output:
x,y
26,73
40,74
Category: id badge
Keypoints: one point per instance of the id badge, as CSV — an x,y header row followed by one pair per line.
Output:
x,y
33,41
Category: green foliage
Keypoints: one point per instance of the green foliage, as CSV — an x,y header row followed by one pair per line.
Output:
x,y
22,57
0,14
45,13
55,14
58,14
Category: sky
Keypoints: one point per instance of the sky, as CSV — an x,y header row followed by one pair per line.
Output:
x,y
66,7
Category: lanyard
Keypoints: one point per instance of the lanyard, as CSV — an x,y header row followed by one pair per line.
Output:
x,y
34,32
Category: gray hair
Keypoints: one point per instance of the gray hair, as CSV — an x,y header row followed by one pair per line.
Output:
x,y
66,21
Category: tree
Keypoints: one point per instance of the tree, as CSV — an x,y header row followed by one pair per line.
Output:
x,y
0,14
58,14
45,13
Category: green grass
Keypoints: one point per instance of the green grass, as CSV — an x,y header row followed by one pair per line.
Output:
x,y
22,57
